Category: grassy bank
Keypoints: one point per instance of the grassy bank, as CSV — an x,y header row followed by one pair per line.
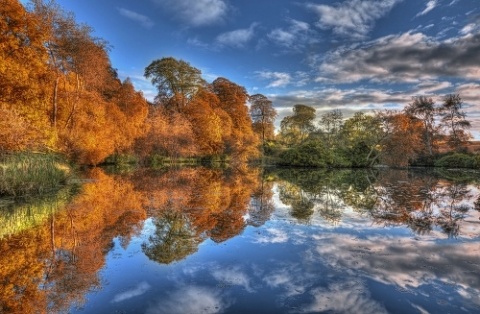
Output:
x,y
24,174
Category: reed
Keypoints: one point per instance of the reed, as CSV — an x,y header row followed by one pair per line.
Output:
x,y
23,174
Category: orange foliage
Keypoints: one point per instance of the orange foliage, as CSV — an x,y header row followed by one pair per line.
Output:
x,y
16,133
242,142
168,135
404,140
208,125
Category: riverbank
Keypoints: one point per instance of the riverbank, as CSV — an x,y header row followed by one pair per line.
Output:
x,y
31,173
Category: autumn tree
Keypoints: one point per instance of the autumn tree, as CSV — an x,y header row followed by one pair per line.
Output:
x,y
403,141
207,123
166,134
132,110
424,109
23,67
454,120
263,115
242,142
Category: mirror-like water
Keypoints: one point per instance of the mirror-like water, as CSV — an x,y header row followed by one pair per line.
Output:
x,y
254,241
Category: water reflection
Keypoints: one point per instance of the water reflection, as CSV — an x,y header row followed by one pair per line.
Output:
x,y
252,240
51,266
417,199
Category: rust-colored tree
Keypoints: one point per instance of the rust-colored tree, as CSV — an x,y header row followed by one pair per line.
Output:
x,y
242,143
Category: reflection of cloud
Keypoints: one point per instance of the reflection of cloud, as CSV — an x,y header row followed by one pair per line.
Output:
x,y
137,291
274,236
233,276
404,263
343,297
289,278
191,299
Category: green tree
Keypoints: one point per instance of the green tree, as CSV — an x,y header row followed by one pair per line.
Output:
x,y
297,127
362,135
330,125
176,81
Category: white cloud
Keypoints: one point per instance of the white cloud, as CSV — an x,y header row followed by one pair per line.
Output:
x,y
197,12
136,17
135,292
237,38
428,87
405,58
430,6
353,18
278,79
470,29
295,36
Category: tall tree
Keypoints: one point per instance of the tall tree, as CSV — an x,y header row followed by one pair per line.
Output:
x,y
454,120
331,123
23,68
403,141
362,135
242,143
176,81
263,115
424,109
297,127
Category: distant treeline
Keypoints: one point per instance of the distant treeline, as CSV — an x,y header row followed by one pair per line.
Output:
x,y
393,138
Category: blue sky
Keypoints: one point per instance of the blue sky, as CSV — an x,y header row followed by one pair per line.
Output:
x,y
346,54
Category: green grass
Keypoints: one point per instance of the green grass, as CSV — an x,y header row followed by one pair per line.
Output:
x,y
24,174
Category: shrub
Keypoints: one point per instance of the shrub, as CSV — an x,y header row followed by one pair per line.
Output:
x,y
457,160
310,154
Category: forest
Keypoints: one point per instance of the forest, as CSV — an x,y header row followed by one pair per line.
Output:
x,y
62,103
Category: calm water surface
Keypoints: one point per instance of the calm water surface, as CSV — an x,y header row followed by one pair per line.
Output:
x,y
251,241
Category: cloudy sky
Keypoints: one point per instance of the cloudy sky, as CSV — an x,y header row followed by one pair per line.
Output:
x,y
344,54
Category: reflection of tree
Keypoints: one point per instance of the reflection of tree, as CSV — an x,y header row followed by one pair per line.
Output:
x,y
212,203
417,199
173,240
326,192
49,268
454,211
261,205
406,198
420,201
300,202
331,206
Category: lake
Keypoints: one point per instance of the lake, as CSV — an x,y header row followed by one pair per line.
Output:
x,y
250,240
